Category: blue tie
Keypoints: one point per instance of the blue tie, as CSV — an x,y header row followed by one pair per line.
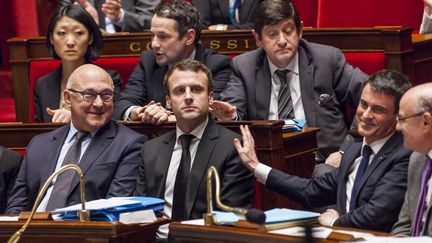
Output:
x,y
233,6
367,151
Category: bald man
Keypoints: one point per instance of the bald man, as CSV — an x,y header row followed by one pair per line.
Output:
x,y
415,122
107,152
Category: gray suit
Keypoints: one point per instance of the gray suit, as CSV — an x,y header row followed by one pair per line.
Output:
x,y
137,14
407,213
323,70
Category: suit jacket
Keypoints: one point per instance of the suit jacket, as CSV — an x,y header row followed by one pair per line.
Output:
x,y
215,148
323,70
109,165
380,195
10,162
47,93
216,12
146,81
137,14
407,213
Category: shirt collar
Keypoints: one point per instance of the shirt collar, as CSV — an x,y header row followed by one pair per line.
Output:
x,y
73,131
377,145
293,65
197,132
430,153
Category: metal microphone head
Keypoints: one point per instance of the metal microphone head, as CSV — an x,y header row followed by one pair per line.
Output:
x,y
255,216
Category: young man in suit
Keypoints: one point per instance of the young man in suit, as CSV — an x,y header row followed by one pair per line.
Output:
x,y
176,33
415,122
10,162
119,15
369,185
288,77
106,151
175,170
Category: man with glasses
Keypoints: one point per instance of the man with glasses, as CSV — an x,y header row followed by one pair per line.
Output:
x,y
368,188
415,123
107,152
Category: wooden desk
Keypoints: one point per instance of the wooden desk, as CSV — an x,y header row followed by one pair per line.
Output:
x,y
292,153
72,232
395,43
183,233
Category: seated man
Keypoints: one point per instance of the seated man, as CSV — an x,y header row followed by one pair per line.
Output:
x,y
176,33
174,165
10,162
415,123
107,152
369,185
119,16
288,77
426,25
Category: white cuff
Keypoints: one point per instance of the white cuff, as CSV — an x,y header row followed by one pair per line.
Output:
x,y
261,172
127,113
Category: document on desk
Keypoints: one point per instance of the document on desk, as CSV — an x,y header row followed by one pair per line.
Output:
x,y
320,232
8,218
382,239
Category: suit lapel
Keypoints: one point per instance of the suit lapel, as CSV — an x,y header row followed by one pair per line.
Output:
x,y
162,163
201,161
306,73
99,143
245,10
56,141
54,85
263,86
348,160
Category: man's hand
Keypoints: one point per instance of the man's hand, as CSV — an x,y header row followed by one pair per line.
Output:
x,y
90,9
328,217
153,112
59,115
247,151
111,8
334,159
223,110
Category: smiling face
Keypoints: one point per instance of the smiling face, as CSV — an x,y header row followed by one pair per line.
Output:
x,y
280,41
166,43
70,39
375,115
89,116
188,98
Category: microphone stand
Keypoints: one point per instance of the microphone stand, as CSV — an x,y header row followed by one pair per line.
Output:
x,y
83,214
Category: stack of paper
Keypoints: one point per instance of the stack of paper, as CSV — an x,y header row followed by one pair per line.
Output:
x,y
293,125
279,218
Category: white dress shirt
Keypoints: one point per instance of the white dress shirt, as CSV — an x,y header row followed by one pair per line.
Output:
x,y
172,171
426,24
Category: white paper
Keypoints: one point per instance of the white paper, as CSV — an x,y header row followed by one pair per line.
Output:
x,y
318,232
98,204
8,218
199,222
381,239
138,217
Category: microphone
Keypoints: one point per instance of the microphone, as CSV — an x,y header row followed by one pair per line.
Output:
x,y
252,215
83,214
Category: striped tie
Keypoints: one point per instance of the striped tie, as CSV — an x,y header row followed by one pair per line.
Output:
x,y
285,104
233,6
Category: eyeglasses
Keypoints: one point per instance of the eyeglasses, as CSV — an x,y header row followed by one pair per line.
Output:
x,y
90,96
401,119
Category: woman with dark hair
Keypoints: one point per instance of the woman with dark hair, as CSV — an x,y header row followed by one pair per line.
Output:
x,y
75,39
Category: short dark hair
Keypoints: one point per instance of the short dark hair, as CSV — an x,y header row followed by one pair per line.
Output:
x,y
76,12
184,14
389,82
189,65
271,12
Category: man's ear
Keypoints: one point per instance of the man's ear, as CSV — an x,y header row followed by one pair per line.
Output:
x,y
211,96
168,102
67,98
257,38
190,37
427,120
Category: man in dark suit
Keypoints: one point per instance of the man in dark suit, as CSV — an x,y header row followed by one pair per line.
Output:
x,y
369,185
164,172
219,15
107,152
10,162
317,78
119,16
415,122
176,33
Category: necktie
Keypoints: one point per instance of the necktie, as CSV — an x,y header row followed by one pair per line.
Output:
x,y
416,229
180,186
367,151
62,185
233,6
285,104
